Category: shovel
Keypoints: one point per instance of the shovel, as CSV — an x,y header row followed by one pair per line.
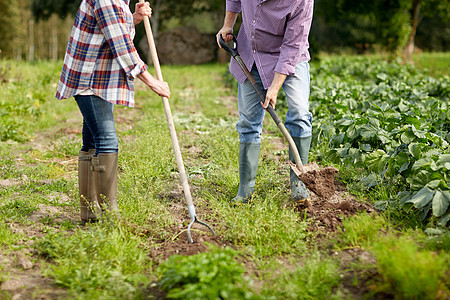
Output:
x,y
320,181
173,134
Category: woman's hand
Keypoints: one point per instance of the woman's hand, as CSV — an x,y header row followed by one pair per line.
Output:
x,y
161,88
141,10
158,86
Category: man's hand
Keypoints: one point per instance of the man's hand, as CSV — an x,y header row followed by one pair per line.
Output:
x,y
271,97
141,10
272,92
227,30
226,33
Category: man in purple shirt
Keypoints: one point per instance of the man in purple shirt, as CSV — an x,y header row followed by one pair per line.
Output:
x,y
273,43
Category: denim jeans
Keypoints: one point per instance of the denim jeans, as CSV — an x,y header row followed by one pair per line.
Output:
x,y
251,113
99,130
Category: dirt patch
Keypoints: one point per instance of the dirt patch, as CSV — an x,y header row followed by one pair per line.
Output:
x,y
359,274
25,279
329,199
180,244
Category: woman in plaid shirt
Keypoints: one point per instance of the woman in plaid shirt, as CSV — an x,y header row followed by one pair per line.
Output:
x,y
99,69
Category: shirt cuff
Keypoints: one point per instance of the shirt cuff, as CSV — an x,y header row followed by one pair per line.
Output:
x,y
233,6
285,68
138,69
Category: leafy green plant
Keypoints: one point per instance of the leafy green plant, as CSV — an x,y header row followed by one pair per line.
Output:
x,y
393,121
215,274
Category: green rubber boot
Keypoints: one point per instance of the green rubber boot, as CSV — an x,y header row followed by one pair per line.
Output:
x,y
298,188
248,165
86,185
105,166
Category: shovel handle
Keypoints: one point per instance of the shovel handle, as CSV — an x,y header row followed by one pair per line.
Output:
x,y
234,52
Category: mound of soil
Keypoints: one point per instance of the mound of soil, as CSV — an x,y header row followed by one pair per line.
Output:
x,y
326,215
320,181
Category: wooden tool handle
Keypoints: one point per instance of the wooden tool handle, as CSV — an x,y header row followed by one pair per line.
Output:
x,y
173,134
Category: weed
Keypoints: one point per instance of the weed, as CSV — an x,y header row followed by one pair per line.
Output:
x,y
47,220
362,230
65,147
17,208
8,167
67,225
7,237
408,272
437,242
316,278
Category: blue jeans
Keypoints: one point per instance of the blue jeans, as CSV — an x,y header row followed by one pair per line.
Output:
x,y
251,113
99,131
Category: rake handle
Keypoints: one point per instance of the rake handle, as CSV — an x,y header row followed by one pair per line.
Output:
x,y
173,134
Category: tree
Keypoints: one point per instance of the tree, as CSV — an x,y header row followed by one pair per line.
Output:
x,y
43,9
394,23
384,21
431,8
10,29
163,11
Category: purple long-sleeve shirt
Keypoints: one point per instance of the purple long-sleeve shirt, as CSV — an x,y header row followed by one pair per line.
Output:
x,y
274,35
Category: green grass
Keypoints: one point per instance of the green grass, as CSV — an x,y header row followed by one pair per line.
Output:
x,y
410,272
274,250
362,230
410,264
98,263
28,102
437,64
7,237
315,278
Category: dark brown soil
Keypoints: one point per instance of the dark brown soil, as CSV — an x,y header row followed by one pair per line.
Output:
x,y
321,182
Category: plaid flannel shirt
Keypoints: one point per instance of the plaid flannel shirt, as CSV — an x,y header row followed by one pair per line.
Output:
x,y
100,55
